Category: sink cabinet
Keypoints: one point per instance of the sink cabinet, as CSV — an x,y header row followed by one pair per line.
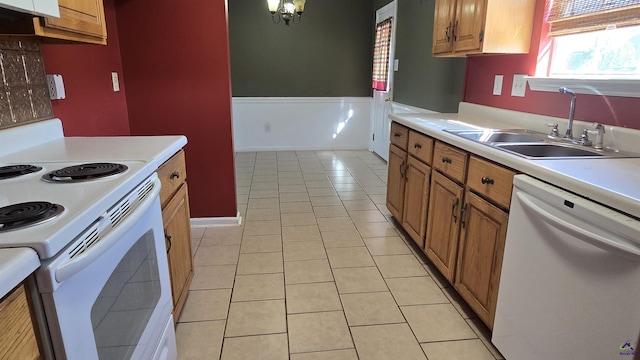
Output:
x,y
176,218
467,27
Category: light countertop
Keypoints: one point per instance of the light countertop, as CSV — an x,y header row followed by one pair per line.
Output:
x,y
612,182
15,265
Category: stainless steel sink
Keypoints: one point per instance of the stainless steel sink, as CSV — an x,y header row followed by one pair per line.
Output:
x,y
537,145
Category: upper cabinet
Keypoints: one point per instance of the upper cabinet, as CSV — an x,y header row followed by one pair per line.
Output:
x,y
467,27
35,7
80,21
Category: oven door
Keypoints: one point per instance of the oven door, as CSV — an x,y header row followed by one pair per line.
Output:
x,y
108,295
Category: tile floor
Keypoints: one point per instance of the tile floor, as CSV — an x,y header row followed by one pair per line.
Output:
x,y
319,270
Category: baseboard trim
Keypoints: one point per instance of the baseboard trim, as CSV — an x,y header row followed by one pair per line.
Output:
x,y
217,221
299,148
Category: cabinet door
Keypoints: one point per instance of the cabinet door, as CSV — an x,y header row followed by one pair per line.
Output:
x,y
80,20
396,181
441,243
416,200
178,239
443,26
470,15
18,339
484,230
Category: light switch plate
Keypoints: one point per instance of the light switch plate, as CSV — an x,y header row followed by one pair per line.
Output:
x,y
519,86
497,85
115,81
396,62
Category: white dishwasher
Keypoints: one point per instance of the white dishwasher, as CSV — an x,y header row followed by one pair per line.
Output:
x,y
570,283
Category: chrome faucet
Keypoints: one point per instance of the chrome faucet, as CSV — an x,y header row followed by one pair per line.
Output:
x,y
572,110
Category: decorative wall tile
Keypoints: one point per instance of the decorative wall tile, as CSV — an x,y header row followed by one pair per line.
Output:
x,y
24,95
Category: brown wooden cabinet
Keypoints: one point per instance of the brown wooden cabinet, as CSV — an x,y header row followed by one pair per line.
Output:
x,y
466,27
80,21
396,181
479,264
177,228
19,340
416,199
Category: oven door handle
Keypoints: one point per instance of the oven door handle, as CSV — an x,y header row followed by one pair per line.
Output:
x,y
75,265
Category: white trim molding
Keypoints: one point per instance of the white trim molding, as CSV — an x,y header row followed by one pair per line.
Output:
x,y
612,87
217,221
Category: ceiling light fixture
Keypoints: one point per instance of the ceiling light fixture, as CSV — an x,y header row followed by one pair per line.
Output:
x,y
287,10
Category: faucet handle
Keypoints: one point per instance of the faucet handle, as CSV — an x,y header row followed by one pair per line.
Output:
x,y
554,130
584,138
599,132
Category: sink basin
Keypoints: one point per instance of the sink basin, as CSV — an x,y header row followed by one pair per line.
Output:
x,y
501,136
546,150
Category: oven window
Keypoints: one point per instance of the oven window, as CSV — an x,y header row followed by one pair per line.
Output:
x,y
122,310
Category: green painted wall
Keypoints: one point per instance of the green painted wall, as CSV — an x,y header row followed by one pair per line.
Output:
x,y
328,53
423,80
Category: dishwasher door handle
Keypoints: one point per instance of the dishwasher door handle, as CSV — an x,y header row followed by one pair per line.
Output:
x,y
593,239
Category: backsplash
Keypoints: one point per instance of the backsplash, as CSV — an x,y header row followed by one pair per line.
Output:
x,y
24,96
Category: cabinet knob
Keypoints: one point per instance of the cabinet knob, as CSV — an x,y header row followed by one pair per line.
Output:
x,y
417,146
396,134
174,175
487,181
446,160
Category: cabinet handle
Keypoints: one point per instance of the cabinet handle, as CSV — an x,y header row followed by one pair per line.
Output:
x,y
402,169
396,134
453,210
455,27
447,32
487,181
446,160
174,175
168,237
462,214
417,146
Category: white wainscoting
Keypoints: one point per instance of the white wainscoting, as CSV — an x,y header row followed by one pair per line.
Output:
x,y
301,123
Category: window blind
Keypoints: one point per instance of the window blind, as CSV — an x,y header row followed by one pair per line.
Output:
x,y
579,16
381,55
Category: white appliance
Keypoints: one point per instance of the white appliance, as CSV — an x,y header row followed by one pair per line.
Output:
x,y
570,283
47,8
104,279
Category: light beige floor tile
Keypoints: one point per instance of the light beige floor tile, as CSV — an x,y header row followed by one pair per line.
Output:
x,y
318,332
262,214
294,197
387,246
258,287
375,190
371,309
216,255
312,184
321,191
392,266
341,239
298,219
376,229
266,227
436,275
347,187
241,182
292,189
223,240
353,195
346,354
199,340
203,305
458,303
307,271
440,322
485,336
359,205
256,318
420,290
330,211
357,280
228,232
304,298
301,233
304,250
264,204
260,263
457,350
296,207
261,243
272,185
384,342
263,194
366,216
349,257
336,224
213,277
197,232
242,199
263,347
291,181
325,200
314,174
289,175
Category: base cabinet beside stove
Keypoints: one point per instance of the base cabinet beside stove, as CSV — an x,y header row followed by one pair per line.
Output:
x,y
177,227
19,335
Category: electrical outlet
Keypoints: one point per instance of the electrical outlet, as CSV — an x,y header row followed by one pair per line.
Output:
x,y
519,86
56,87
267,127
497,85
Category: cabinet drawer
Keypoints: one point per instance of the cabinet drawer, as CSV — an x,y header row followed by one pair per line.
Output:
x,y
450,161
399,135
491,180
420,146
172,174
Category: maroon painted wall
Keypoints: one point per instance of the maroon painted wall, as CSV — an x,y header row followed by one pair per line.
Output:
x,y
175,56
620,111
90,108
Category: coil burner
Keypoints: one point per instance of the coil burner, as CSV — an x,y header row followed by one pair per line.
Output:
x,y
26,214
84,172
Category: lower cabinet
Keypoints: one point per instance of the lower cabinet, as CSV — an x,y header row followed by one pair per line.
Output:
x,y
18,339
479,264
396,181
416,199
443,224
